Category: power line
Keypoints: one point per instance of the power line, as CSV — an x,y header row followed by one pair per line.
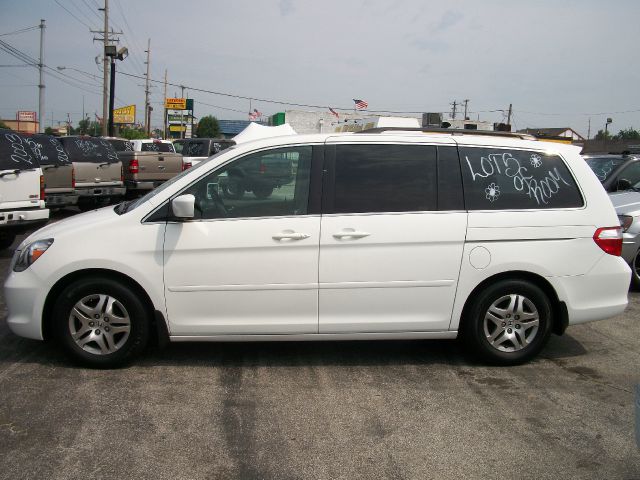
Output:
x,y
27,29
72,14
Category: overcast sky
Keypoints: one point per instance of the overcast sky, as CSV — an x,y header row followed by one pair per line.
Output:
x,y
559,63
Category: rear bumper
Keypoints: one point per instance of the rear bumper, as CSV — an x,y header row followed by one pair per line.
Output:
x,y
57,200
97,192
23,219
601,293
142,184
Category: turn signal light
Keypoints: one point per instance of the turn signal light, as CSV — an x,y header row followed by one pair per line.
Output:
x,y
609,239
41,187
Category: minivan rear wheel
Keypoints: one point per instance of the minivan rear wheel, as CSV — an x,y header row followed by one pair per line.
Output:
x,y
100,322
508,323
635,271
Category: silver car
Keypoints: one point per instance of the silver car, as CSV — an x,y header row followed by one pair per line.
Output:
x,y
627,205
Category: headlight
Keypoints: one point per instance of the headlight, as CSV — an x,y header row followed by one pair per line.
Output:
x,y
30,254
625,221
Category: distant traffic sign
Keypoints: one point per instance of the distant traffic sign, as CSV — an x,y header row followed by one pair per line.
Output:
x,y
175,103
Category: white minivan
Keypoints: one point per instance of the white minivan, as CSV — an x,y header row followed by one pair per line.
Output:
x,y
383,234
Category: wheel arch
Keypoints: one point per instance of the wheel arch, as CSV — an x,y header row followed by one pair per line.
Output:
x,y
559,308
62,283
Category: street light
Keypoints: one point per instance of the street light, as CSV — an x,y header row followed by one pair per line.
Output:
x,y
606,129
110,51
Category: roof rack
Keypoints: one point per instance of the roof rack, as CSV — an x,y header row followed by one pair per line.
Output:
x,y
452,131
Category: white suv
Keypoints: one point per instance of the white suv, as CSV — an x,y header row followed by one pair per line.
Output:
x,y
498,239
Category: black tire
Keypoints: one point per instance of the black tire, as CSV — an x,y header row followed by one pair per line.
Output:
x,y
520,343
86,206
127,304
262,191
635,271
6,239
233,189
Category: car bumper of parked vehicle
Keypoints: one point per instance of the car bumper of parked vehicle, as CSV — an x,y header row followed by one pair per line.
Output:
x,y
600,294
24,293
58,200
630,246
92,192
24,219
142,185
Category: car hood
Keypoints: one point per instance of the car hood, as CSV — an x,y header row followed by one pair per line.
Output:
x,y
626,202
72,224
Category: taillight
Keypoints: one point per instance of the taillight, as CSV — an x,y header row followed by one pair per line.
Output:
x,y
73,177
41,187
263,167
609,239
134,166
186,165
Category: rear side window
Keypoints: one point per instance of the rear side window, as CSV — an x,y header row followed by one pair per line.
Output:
x,y
603,166
48,150
157,147
496,179
385,178
15,152
195,149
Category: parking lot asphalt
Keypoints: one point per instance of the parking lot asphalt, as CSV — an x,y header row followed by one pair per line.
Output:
x,y
314,410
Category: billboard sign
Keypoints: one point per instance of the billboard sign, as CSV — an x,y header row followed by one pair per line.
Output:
x,y
175,103
125,114
23,116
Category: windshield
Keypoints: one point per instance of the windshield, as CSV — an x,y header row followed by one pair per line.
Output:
x,y
603,166
125,207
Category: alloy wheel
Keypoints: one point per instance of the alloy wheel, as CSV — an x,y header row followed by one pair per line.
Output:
x,y
511,323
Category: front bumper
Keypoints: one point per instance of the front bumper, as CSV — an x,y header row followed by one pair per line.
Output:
x,y
25,293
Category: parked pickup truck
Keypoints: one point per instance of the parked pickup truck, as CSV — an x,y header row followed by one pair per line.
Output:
x,y
98,171
194,150
21,188
58,171
149,167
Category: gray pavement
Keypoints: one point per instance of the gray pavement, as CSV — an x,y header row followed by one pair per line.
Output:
x,y
317,410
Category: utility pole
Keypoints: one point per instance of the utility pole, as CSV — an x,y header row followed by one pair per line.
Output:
x,y
453,113
41,111
509,114
164,105
107,37
589,130
182,126
146,90
466,104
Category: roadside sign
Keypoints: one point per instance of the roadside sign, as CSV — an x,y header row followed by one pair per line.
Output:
x,y
23,116
177,128
175,103
125,114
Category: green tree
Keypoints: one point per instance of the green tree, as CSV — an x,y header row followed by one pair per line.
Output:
x,y
48,131
602,135
208,127
4,125
132,133
627,134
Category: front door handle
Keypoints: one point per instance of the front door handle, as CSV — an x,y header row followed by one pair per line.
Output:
x,y
350,233
289,235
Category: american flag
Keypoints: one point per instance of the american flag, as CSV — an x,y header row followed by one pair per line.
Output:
x,y
258,114
252,116
333,112
360,104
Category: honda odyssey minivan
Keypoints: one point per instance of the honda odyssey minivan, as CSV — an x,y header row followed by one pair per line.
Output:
x,y
498,239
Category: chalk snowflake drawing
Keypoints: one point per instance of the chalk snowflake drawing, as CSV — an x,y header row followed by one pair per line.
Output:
x,y
536,160
492,192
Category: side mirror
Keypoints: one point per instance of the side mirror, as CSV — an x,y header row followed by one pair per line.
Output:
x,y
183,206
624,184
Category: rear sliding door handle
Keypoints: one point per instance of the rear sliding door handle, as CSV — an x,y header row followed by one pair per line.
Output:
x,y
290,236
350,233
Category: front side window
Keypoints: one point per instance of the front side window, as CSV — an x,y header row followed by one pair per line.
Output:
x,y
265,184
603,166
385,178
496,179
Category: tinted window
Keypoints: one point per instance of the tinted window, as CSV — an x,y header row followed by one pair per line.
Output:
x,y
631,174
265,184
121,145
195,149
157,147
178,146
385,178
15,152
89,149
450,195
603,166
496,179
48,150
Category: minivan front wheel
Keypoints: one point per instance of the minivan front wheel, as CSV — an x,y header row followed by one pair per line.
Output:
x,y
509,322
100,322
